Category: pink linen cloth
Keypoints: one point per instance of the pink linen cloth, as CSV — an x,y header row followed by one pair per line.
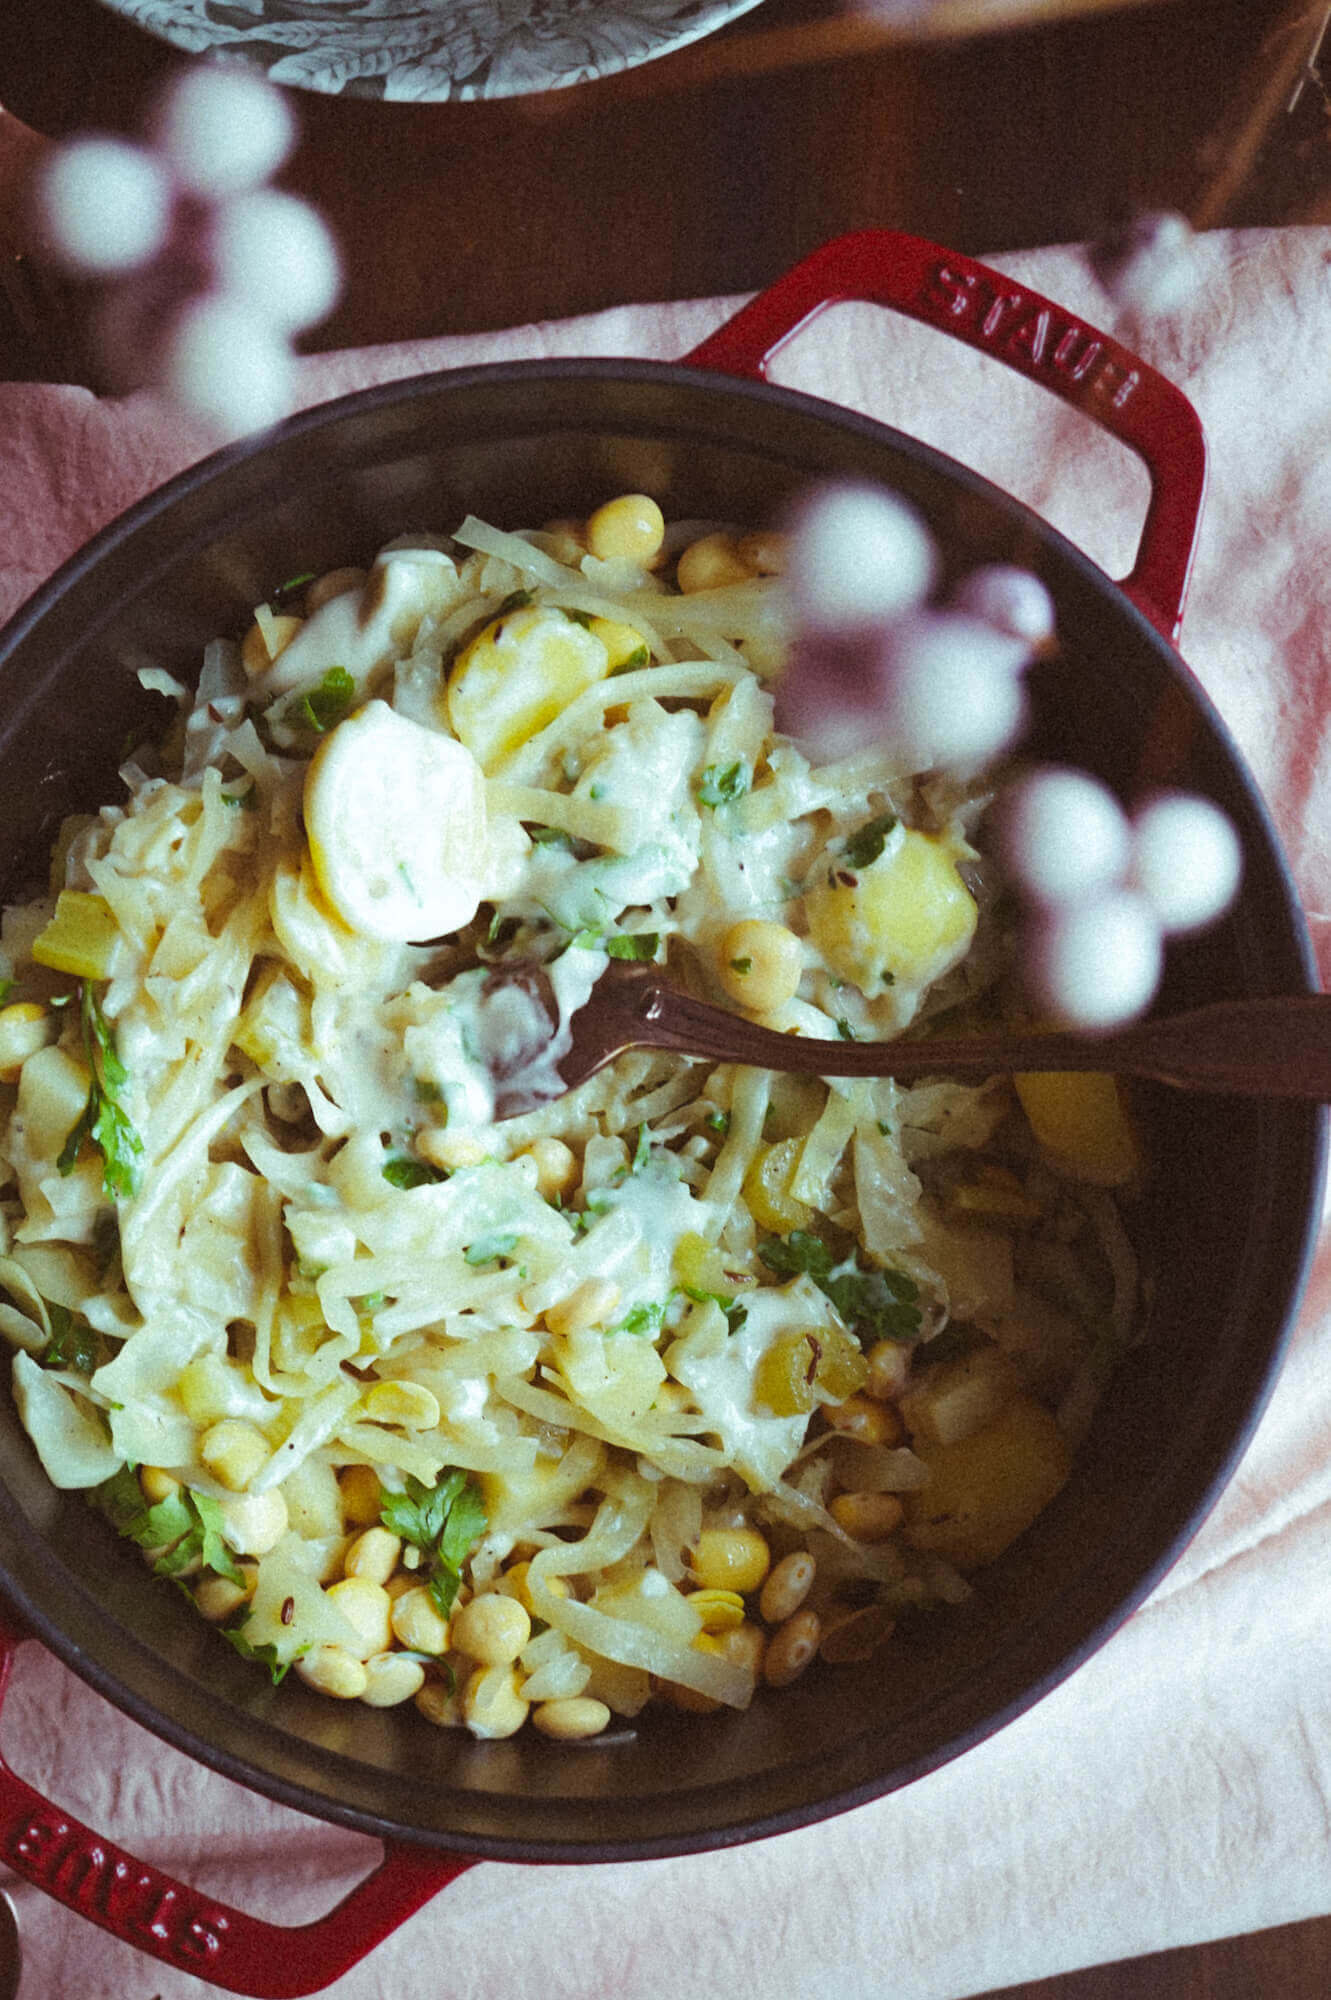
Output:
x,y
1178,1787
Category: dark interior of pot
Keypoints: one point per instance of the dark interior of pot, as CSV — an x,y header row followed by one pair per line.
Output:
x,y
1225,1225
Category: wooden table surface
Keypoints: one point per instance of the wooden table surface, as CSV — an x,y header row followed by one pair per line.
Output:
x,y
712,170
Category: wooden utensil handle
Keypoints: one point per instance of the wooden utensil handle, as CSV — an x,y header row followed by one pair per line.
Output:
x,y
1039,339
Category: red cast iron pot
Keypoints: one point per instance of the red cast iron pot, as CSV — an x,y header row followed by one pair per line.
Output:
x,y
1226,1235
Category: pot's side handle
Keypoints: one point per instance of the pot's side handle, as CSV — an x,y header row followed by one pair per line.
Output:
x,y
142,1906
1032,335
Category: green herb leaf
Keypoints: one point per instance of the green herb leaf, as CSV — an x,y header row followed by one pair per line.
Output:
x,y
444,1521
586,940
642,1151
550,836
743,966
717,1121
489,1249
721,786
640,949
186,1526
404,1172
290,587
517,600
643,1319
876,1304
73,1343
735,1313
863,847
801,1251
265,1653
844,1029
324,707
103,1119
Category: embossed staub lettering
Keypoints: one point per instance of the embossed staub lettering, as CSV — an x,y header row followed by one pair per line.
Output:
x,y
1018,326
93,1876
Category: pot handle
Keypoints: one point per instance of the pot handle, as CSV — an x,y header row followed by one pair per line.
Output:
x,y
154,1912
1032,335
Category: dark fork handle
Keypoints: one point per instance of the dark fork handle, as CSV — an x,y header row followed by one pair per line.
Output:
x,y
1277,1047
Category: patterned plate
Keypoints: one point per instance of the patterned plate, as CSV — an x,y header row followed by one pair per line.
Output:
x,y
418,51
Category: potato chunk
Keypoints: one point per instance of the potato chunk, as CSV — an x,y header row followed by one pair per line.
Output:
x,y
1082,1121
986,1489
903,919
519,673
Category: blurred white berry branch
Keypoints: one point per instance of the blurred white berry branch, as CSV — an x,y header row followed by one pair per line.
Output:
x,y
203,272
942,684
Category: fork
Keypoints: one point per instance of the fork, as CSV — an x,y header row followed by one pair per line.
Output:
x,y
1277,1046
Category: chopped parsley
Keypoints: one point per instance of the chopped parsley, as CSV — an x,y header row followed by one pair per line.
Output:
x,y
489,1249
104,1118
643,1319
844,1029
877,1304
721,785
865,846
550,836
743,966
640,949
73,1344
444,1521
735,1313
265,1653
325,706
286,591
404,1172
718,1121
186,1526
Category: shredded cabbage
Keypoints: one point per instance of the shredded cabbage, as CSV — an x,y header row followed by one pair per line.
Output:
x,y
550,1345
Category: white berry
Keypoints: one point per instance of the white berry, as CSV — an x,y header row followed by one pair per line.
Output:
x,y
1186,860
858,557
222,130
1012,599
273,251
950,690
1098,964
825,700
1063,836
225,365
1152,268
104,204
